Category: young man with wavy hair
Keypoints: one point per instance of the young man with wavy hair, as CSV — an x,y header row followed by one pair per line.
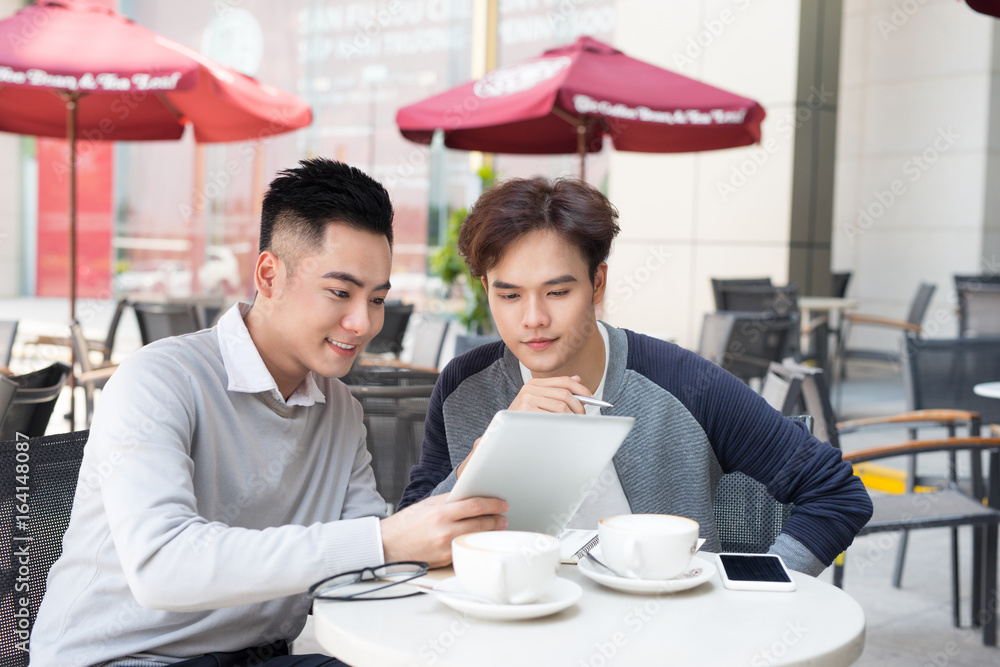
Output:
x,y
541,249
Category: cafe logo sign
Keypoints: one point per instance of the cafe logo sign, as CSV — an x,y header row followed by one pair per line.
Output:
x,y
101,82
520,76
584,104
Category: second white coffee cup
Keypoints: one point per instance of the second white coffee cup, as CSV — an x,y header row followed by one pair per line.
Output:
x,y
648,546
506,566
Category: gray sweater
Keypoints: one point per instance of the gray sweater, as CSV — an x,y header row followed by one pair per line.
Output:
x,y
203,514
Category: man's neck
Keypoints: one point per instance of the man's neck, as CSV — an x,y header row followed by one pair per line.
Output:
x,y
592,357
263,340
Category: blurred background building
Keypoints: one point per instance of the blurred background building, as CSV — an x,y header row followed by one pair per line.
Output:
x,y
879,154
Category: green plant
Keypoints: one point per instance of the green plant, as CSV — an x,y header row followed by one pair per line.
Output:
x,y
447,263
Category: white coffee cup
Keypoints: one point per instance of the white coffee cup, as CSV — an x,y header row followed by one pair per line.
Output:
x,y
506,566
647,546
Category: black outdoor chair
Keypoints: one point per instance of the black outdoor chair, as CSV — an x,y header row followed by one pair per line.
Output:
x,y
745,343
815,400
949,507
390,339
780,300
394,420
162,320
53,464
838,283
33,402
771,301
720,285
912,324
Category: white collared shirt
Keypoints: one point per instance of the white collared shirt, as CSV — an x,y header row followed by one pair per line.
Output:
x,y
245,367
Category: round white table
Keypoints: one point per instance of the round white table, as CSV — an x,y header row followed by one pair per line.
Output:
x,y
817,624
987,389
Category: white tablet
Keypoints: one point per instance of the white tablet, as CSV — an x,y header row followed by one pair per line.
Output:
x,y
542,464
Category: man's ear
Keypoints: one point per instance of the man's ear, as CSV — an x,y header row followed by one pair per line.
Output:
x,y
485,286
265,273
600,282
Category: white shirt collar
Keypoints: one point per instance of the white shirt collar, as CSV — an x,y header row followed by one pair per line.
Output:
x,y
245,368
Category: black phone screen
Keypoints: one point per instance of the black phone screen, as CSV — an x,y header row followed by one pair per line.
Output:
x,y
753,568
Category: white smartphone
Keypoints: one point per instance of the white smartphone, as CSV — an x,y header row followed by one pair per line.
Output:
x,y
755,572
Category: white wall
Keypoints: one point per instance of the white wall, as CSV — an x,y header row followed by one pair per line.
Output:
x,y
679,228
918,96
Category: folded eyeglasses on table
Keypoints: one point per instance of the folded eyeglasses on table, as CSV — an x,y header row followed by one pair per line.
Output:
x,y
380,582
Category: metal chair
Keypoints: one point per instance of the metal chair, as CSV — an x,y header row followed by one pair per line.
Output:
x,y
748,518
720,285
948,507
978,308
162,320
104,347
390,339
90,377
33,402
912,324
32,522
394,420
838,283
780,300
8,332
745,343
815,400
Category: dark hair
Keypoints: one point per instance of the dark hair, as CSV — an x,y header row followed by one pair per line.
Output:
x,y
572,208
301,202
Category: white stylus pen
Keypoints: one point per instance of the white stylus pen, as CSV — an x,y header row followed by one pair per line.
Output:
x,y
587,400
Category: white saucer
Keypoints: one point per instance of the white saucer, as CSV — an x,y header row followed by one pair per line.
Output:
x,y
699,571
562,594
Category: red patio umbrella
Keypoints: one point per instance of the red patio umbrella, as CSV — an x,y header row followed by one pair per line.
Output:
x,y
74,68
569,98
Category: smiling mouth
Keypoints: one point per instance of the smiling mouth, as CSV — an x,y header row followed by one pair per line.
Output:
x,y
343,346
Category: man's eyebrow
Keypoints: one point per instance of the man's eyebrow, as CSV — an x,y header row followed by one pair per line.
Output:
x,y
559,280
351,278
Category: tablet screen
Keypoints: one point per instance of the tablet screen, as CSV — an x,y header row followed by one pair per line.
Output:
x,y
542,464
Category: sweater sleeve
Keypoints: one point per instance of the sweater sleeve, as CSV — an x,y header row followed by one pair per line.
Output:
x,y
172,557
435,461
831,504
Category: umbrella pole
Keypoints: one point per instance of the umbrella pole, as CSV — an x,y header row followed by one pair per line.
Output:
x,y
71,108
581,147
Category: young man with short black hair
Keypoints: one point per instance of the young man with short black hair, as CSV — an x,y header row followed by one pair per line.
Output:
x,y
226,470
540,249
